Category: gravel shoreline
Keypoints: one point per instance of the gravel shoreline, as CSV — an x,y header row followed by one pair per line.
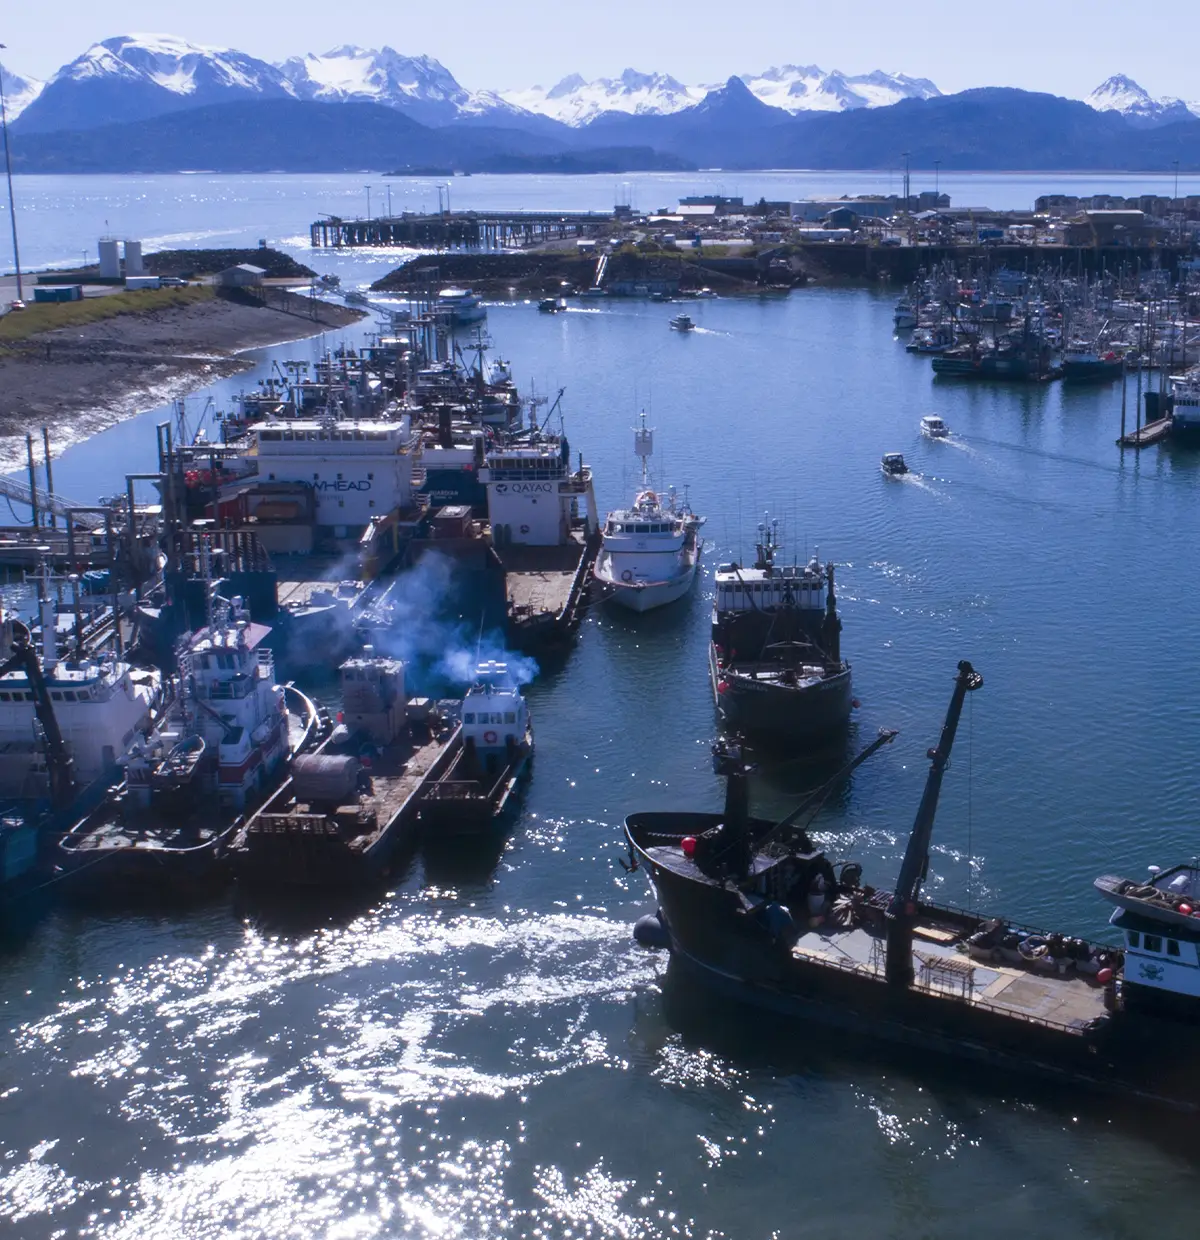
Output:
x,y
81,380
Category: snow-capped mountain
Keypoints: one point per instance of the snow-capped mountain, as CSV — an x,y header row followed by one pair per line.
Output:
x,y
134,76
1122,94
418,85
576,101
808,88
19,92
794,88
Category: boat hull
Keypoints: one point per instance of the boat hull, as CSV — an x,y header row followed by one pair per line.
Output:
x,y
760,707
637,597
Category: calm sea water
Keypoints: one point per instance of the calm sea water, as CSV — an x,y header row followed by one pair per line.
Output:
x,y
481,1051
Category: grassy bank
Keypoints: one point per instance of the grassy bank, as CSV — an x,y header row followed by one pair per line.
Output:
x,y
41,317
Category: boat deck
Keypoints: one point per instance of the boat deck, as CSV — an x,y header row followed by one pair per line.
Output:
x,y
1068,1002
399,774
539,580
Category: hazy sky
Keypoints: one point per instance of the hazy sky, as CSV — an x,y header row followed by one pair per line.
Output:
x,y
1067,48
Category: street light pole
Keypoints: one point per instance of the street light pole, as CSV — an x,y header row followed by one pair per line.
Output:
x,y
12,206
368,189
937,180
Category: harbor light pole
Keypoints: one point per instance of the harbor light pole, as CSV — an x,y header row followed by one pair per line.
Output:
x,y
12,206
1175,196
368,189
907,192
937,181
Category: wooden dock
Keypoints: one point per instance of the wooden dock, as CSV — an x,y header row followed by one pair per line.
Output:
x,y
1152,433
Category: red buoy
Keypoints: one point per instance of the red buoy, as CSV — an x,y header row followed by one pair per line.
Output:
x,y
1186,909
1104,976
688,844
722,686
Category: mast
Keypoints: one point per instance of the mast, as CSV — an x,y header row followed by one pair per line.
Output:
x,y
901,913
643,447
833,623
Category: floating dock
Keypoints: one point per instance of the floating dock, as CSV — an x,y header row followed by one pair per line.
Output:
x,y
1152,433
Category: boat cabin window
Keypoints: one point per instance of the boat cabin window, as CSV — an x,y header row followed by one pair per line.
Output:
x,y
1172,948
469,717
1134,938
4,697
1151,943
510,716
69,694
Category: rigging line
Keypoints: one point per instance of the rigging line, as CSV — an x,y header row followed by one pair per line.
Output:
x,y
970,799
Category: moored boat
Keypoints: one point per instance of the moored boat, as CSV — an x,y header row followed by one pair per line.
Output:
x,y
460,307
189,778
480,786
347,809
775,656
649,552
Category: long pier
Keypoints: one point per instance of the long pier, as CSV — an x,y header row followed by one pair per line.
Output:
x,y
463,230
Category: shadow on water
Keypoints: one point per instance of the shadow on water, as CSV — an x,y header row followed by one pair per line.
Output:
x,y
466,862
749,1039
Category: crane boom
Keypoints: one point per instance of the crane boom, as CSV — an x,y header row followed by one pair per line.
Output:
x,y
901,913
59,765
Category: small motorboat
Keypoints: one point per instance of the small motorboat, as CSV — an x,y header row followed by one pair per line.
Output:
x,y
682,323
552,305
932,427
893,465
706,294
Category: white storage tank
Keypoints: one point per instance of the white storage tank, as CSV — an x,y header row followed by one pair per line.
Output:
x,y
110,258
133,259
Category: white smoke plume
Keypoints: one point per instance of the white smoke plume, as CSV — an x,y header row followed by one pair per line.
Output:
x,y
413,622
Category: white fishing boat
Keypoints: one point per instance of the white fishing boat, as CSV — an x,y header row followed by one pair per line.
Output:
x,y
904,316
460,307
682,323
99,705
649,551
932,427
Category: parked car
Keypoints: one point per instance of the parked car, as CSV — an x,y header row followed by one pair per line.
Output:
x,y
172,282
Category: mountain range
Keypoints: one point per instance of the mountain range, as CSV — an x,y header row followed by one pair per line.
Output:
x,y
159,103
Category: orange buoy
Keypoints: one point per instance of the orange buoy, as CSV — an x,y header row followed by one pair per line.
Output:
x,y
1104,976
688,844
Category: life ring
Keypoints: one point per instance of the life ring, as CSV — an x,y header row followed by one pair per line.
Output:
x,y
627,575
489,738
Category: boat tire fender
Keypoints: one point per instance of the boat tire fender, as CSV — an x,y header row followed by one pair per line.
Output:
x,y
651,932
627,575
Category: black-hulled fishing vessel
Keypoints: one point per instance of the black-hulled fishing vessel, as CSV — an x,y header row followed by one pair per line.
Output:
x,y
757,910
775,655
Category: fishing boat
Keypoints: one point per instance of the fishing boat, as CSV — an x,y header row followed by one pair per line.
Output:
x,y
1085,362
460,307
481,784
682,323
904,316
757,911
931,340
893,465
219,747
1185,409
932,427
349,807
99,704
649,552
775,655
